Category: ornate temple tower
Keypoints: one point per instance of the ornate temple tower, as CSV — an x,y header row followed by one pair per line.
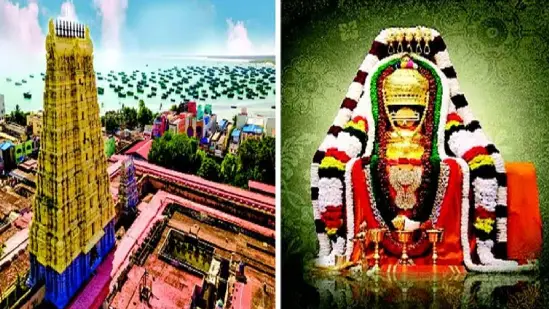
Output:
x,y
73,225
128,197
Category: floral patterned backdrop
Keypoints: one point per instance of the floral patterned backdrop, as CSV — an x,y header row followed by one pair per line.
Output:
x,y
500,50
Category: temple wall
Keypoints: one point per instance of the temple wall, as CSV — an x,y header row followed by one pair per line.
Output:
x,y
153,184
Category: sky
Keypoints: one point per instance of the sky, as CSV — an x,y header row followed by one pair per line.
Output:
x,y
144,27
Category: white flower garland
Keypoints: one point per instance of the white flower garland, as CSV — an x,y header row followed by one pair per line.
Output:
x,y
330,193
350,144
349,207
325,245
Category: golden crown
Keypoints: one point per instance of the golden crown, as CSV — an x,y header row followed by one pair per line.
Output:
x,y
406,86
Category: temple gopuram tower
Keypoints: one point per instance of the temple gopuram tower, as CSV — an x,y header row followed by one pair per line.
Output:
x,y
128,197
73,226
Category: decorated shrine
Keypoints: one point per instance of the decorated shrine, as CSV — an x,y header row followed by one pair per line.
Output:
x,y
73,226
406,176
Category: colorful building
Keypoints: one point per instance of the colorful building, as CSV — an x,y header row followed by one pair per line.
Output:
x,y
73,214
34,121
160,126
251,131
7,152
234,141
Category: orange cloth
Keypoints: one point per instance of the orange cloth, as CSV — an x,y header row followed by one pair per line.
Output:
x,y
524,229
449,250
524,219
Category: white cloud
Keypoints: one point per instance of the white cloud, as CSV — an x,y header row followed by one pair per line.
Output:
x,y
68,12
113,14
19,27
240,44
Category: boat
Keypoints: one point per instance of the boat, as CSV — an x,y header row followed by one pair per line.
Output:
x,y
233,106
27,95
8,79
17,84
100,90
24,81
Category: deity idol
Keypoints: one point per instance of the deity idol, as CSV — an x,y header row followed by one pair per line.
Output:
x,y
406,154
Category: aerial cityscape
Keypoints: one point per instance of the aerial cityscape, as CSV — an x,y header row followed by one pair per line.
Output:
x,y
137,177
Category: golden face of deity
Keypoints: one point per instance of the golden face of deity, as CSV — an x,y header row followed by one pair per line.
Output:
x,y
405,95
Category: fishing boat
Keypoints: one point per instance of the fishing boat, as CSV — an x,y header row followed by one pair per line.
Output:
x,y
100,90
17,84
233,106
27,95
8,79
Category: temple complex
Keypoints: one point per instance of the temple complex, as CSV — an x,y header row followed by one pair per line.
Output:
x,y
73,227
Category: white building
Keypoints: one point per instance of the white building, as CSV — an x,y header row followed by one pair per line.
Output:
x,y
270,126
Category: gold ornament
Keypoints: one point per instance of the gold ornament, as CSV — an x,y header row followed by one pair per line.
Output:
x,y
405,179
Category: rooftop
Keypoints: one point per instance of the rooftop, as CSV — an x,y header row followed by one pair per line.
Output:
x,y
252,128
141,149
263,187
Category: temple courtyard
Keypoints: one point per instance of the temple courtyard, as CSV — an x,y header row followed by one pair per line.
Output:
x,y
191,245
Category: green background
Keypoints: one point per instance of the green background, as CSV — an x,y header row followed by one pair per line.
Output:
x,y
500,50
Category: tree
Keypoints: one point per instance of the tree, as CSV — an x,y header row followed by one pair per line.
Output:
x,y
209,169
177,152
18,116
110,147
229,169
111,122
174,108
266,160
129,117
257,159
144,115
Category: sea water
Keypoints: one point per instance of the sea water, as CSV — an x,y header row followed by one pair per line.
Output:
x,y
223,106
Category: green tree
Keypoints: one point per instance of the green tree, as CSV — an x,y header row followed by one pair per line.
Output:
x,y
111,122
174,108
144,115
176,151
209,169
266,160
110,147
229,169
129,117
257,159
18,116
